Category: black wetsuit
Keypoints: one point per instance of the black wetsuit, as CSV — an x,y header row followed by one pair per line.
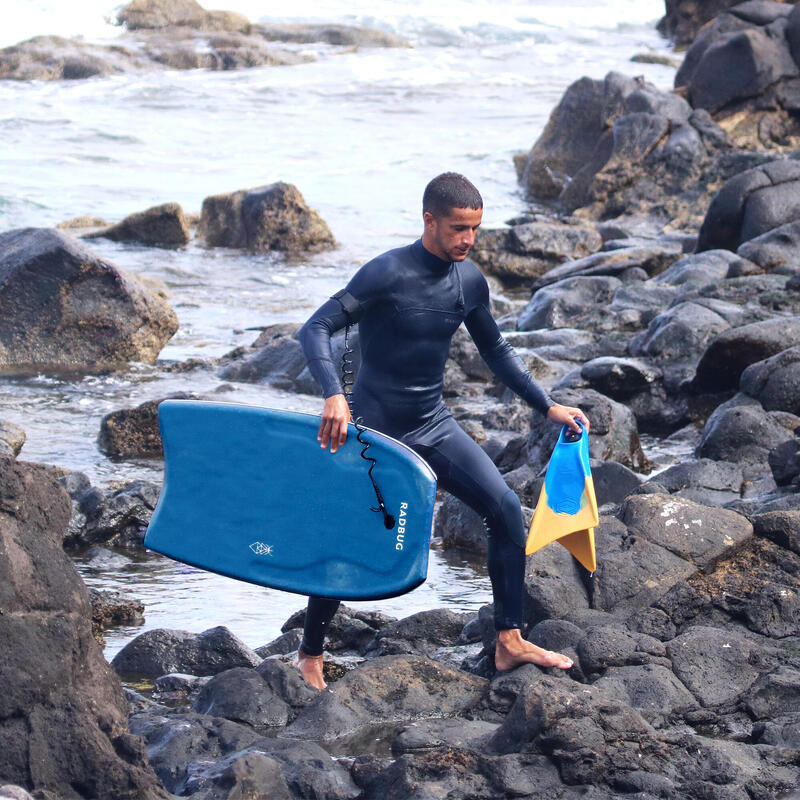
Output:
x,y
408,304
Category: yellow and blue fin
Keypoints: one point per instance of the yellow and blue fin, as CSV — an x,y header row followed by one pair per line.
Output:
x,y
567,507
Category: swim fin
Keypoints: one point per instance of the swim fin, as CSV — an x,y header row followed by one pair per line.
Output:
x,y
567,507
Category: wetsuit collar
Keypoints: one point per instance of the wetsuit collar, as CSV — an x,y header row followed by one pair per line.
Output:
x,y
434,263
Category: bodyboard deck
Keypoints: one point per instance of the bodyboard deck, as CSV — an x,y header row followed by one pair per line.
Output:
x,y
249,493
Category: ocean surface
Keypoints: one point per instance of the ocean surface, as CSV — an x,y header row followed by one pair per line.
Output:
x,y
359,132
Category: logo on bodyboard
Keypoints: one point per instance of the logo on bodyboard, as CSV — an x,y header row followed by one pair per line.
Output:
x,y
261,549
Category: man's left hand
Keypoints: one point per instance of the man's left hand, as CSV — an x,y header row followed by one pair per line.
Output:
x,y
565,415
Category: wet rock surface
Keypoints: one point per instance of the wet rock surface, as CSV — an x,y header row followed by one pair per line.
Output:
x,y
274,217
67,310
63,716
179,34
160,226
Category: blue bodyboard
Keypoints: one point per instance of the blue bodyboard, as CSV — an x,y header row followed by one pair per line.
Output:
x,y
249,493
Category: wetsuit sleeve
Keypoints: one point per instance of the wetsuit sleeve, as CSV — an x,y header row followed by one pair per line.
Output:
x,y
344,308
501,357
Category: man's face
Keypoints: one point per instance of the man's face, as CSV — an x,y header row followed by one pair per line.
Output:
x,y
451,237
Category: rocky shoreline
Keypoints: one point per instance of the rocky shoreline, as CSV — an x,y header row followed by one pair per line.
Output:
x,y
655,285
181,34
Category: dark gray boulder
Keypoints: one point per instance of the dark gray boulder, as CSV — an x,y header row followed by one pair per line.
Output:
x,y
703,480
529,250
63,716
696,533
775,250
427,629
613,482
242,695
567,303
647,298
350,629
699,269
750,204
613,435
389,689
781,731
632,572
461,773
430,734
652,689
620,378
774,694
457,525
192,754
65,309
676,339
747,589
603,647
118,517
781,527
554,586
287,683
621,262
160,226
280,363
274,217
176,738
620,146
775,381
730,352
740,430
159,651
717,666
784,461
736,65
684,18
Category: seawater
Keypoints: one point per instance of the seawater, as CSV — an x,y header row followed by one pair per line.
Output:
x,y
359,132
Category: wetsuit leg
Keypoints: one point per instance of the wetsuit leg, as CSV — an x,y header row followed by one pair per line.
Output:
x,y
464,470
319,613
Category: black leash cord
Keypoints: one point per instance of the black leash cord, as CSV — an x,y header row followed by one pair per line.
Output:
x,y
347,382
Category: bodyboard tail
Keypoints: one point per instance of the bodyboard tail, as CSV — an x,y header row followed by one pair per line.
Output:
x,y
249,493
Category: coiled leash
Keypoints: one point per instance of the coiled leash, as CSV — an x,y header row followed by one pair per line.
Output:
x,y
349,304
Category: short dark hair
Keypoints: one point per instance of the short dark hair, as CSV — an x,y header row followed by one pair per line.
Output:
x,y
448,191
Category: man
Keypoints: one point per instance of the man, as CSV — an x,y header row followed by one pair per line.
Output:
x,y
408,304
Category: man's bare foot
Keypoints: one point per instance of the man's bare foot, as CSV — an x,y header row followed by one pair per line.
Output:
x,y
512,650
311,669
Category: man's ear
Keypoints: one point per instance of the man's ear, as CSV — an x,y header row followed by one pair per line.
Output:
x,y
428,219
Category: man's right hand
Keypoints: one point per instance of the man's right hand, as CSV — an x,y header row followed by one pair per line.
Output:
x,y
335,417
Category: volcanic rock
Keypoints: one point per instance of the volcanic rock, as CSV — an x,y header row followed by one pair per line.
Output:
x,y
66,309
63,717
159,651
160,226
274,217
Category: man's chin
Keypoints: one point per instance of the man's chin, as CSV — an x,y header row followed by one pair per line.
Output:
x,y
457,255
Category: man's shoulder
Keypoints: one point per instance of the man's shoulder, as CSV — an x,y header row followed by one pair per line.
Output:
x,y
379,272
472,276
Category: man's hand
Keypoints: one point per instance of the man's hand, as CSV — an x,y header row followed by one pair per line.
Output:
x,y
335,417
565,415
